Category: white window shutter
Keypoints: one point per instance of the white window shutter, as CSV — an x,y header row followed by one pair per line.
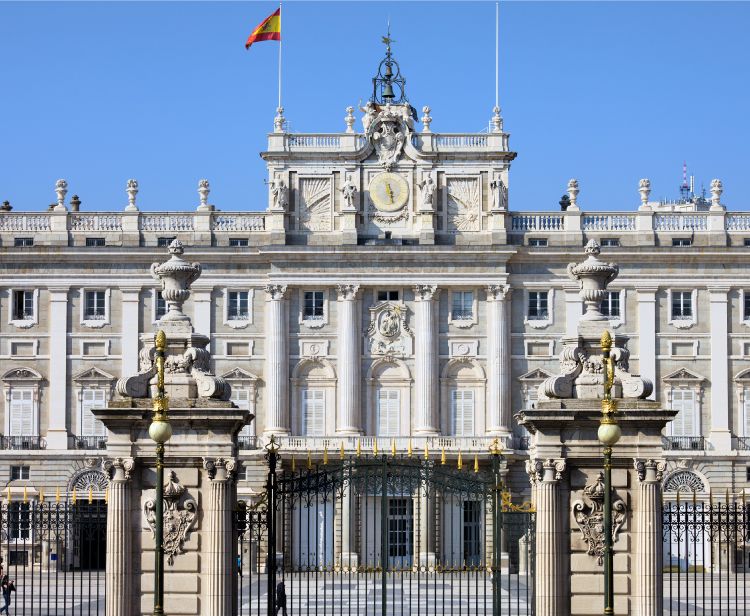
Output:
x,y
462,412
241,397
747,411
313,412
22,412
683,401
90,425
389,407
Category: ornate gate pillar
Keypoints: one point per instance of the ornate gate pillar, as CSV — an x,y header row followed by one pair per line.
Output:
x,y
649,538
119,557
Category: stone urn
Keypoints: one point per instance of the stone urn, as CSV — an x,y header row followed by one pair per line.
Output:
x,y
593,275
176,276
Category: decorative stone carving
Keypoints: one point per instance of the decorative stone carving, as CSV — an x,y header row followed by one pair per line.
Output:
x,y
347,291
388,332
716,189
315,204
120,466
132,190
313,349
89,479
644,467
427,193
463,348
426,119
176,276
387,130
573,194
499,195
644,187
593,275
349,119
279,194
61,188
684,481
349,192
464,202
590,517
549,469
497,120
279,120
180,513
203,190
498,292
425,292
275,291
211,466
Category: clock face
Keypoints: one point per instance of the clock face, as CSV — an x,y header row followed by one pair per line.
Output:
x,y
389,192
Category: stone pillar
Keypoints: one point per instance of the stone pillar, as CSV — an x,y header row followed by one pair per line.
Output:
x,y
551,597
426,360
499,409
202,307
57,401
721,436
647,335
648,528
118,573
426,525
349,529
349,413
573,311
277,361
219,570
130,330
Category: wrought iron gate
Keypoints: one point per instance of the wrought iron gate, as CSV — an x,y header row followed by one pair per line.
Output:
x,y
706,556
54,552
383,535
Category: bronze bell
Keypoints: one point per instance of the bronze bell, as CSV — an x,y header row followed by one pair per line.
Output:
x,y
388,91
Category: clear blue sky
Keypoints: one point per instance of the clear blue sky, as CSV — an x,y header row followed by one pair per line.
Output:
x,y
164,92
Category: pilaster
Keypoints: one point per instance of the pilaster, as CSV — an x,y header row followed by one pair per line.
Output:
x,y
721,436
57,402
349,416
499,411
130,327
118,573
277,361
202,306
648,531
647,335
426,359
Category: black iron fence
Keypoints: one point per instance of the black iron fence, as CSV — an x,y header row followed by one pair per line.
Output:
x,y
385,535
706,557
54,553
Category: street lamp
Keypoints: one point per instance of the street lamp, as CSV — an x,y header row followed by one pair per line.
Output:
x,y
160,432
609,433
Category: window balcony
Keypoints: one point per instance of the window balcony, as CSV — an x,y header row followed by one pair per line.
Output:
x,y
23,442
523,443
742,443
684,443
91,442
247,442
462,315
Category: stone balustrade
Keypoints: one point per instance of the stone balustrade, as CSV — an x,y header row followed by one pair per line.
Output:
x,y
435,444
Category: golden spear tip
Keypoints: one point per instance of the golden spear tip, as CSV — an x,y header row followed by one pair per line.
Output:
x,y
606,340
375,446
91,495
409,450
309,460
426,451
25,495
442,457
41,495
476,463
325,455
341,450
460,464
359,447
161,340
393,447
57,495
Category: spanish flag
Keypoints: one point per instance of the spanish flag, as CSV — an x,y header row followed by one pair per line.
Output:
x,y
268,30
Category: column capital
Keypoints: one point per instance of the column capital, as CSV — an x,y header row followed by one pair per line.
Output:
x,y
425,292
220,469
275,291
347,292
549,470
121,468
649,471
498,292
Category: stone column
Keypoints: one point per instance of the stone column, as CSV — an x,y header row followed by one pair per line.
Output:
x,y
721,436
277,361
551,599
426,360
499,409
57,400
648,528
349,529
349,414
130,330
219,570
647,335
425,526
118,573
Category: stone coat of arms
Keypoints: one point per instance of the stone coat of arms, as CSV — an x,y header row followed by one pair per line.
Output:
x,y
590,517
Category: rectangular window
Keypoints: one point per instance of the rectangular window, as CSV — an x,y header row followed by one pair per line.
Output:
x,y
313,412
538,309
18,558
238,348
400,531
19,473
21,412
23,305
747,241
462,412
538,241
746,305
238,242
237,310
95,306
684,424
463,305
313,308
682,305
610,306
90,425
388,296
97,242
19,521
241,397
164,242
161,306
388,411
747,474
682,241
746,404
23,242
472,532
610,242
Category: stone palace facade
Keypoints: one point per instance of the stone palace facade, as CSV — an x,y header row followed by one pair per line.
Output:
x,y
386,296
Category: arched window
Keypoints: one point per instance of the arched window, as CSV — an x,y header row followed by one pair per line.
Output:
x,y
463,388
314,397
389,398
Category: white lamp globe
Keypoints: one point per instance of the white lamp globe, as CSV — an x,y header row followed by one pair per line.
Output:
x,y
609,434
160,431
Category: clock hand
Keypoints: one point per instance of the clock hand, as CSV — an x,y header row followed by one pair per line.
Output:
x,y
389,191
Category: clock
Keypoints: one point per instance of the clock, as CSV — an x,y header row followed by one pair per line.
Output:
x,y
389,192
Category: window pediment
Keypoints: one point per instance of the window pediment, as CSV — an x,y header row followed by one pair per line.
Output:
x,y
536,375
683,375
238,374
93,375
21,376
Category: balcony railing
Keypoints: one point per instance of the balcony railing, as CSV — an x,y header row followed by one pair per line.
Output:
x,y
523,443
23,442
684,443
91,442
434,444
247,442
742,443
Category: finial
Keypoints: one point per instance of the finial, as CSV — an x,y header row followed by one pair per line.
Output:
x,y
203,189
359,448
476,463
349,119
41,496
573,194
644,187
496,447
309,460
161,340
426,119
75,204
716,189
341,450
460,462
606,341
442,457
409,450
375,446
497,120
426,451
6,206
131,188
61,188
393,447
325,455
279,120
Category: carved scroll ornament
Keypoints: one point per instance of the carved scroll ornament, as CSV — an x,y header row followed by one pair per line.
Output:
x,y
590,517
179,517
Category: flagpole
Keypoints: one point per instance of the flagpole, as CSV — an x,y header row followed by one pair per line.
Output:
x,y
280,56
497,54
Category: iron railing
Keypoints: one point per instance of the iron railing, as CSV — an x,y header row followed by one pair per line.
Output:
x,y
247,442
23,442
91,442
742,443
684,443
